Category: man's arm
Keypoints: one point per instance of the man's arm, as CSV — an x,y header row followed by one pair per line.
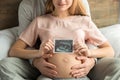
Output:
x,y
25,14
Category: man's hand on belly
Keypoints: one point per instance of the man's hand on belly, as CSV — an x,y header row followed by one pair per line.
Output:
x,y
45,67
84,68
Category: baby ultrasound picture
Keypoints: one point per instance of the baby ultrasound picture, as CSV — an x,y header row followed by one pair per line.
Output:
x,y
63,46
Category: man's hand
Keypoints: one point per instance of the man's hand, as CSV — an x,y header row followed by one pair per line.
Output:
x,y
84,68
44,67
82,49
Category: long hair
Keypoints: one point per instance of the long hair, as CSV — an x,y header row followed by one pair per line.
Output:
x,y
77,8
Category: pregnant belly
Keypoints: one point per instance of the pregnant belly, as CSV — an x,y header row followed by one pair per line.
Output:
x,y
64,62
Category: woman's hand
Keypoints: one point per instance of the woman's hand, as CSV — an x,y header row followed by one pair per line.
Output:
x,y
83,69
82,49
46,47
45,67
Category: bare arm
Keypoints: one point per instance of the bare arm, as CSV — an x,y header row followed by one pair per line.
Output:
x,y
19,50
104,50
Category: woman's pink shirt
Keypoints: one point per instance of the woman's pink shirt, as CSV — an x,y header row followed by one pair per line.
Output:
x,y
79,28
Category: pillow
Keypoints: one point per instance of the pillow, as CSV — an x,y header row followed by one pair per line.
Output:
x,y
7,37
112,33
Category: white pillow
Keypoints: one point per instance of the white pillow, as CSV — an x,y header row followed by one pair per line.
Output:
x,y
7,37
112,33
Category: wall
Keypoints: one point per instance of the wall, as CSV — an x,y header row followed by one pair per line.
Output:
x,y
104,12
8,13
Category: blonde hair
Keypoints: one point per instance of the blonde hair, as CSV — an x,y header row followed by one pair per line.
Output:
x,y
77,8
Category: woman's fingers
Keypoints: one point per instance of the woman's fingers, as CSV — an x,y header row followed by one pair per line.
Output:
x,y
47,46
81,49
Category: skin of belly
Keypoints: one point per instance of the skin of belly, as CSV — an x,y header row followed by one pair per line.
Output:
x,y
64,62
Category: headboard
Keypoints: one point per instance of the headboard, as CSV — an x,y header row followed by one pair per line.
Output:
x,y
103,14
9,13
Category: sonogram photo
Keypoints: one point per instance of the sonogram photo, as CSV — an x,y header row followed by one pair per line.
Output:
x,y
63,46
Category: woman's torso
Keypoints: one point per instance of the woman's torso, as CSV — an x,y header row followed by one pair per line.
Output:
x,y
67,28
